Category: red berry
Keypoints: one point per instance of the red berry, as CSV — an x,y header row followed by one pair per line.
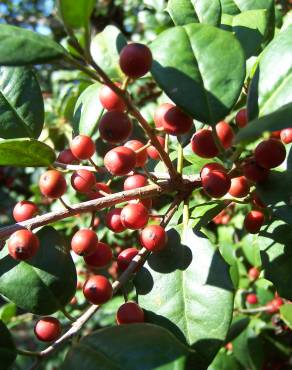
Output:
x,y
276,134
134,216
173,120
101,257
203,144
286,135
52,184
83,181
216,183
115,127
48,329
225,134
135,60
97,289
23,244
152,151
147,202
84,242
241,118
153,238
252,298
66,156
113,220
125,258
253,172
110,100
24,210
239,187
229,346
274,305
135,181
256,200
253,221
82,147
270,153
129,313
253,273
120,161
211,167
95,192
141,156
222,218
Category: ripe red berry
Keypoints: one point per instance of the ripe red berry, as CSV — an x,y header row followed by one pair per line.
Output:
x,y
274,305
83,181
66,156
152,151
84,242
135,181
120,161
147,202
115,127
110,100
253,221
225,134
270,153
113,220
82,147
135,60
153,238
141,156
125,258
276,134
286,135
173,120
251,298
95,192
209,167
48,329
222,218
52,184
134,216
216,183
253,273
97,289
241,118
203,144
24,210
239,187
129,313
23,244
101,257
253,172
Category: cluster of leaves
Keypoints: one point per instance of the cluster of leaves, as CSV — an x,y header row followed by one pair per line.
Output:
x,y
211,61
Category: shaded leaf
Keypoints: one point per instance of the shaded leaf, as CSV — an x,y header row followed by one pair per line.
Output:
x,y
75,14
7,348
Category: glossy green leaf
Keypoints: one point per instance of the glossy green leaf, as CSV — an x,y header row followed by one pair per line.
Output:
x,y
7,348
190,11
271,86
202,214
225,361
105,49
251,250
250,28
135,347
237,6
239,324
186,66
277,120
88,111
25,153
75,14
187,289
7,312
286,314
46,282
21,103
21,47
275,244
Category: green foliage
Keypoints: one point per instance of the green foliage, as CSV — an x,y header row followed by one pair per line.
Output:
x,y
7,347
76,14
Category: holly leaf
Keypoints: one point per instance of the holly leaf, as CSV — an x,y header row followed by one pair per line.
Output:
x,y
7,347
44,283
189,11
75,14
286,314
135,347
187,289
22,47
25,153
185,66
21,103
